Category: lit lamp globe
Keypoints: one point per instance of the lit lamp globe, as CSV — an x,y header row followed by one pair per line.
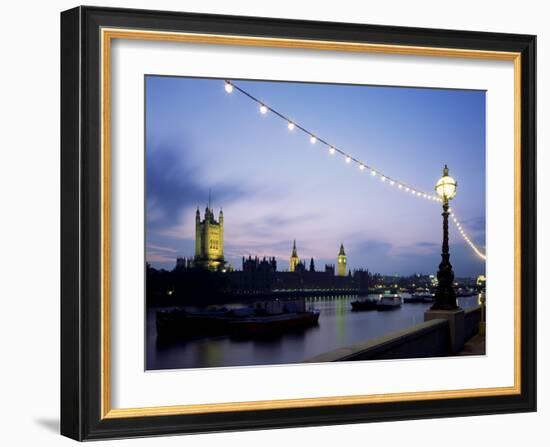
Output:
x,y
446,186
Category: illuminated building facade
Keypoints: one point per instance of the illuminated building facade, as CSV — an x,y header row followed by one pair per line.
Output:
x,y
209,240
342,262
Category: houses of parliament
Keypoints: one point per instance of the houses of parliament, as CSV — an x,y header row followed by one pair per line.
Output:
x,y
262,274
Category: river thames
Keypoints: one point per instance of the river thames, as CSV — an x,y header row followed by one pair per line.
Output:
x,y
338,326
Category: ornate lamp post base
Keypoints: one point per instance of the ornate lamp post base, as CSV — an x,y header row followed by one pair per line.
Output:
x,y
445,306
445,296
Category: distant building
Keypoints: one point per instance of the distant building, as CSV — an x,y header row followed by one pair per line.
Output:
x,y
342,262
294,259
362,279
209,240
260,275
300,267
256,274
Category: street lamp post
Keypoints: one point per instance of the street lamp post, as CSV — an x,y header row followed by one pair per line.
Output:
x,y
445,296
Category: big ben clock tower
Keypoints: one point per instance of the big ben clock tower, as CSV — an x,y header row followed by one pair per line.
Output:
x,y
342,262
294,259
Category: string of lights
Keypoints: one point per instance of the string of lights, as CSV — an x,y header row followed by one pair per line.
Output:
x,y
333,149
465,236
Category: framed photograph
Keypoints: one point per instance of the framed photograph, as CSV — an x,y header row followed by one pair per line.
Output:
x,y
276,223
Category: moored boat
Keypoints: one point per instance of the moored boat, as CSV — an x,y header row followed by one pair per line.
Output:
x,y
419,296
465,292
273,324
389,302
181,322
365,304
256,319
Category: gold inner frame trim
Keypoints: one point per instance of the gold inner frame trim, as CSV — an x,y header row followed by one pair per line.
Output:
x,y
107,35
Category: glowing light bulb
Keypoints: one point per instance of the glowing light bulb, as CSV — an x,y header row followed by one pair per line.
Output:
x,y
383,178
392,182
263,109
228,87
361,167
348,159
290,125
331,150
373,172
400,186
407,189
312,140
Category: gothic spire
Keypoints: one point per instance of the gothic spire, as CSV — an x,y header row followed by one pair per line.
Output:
x,y
342,252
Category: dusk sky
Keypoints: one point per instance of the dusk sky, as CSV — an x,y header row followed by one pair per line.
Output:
x,y
275,186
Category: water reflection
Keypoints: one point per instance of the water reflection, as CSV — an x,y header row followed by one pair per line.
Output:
x,y
338,326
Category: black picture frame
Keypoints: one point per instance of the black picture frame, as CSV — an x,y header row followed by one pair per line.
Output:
x,y
81,218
